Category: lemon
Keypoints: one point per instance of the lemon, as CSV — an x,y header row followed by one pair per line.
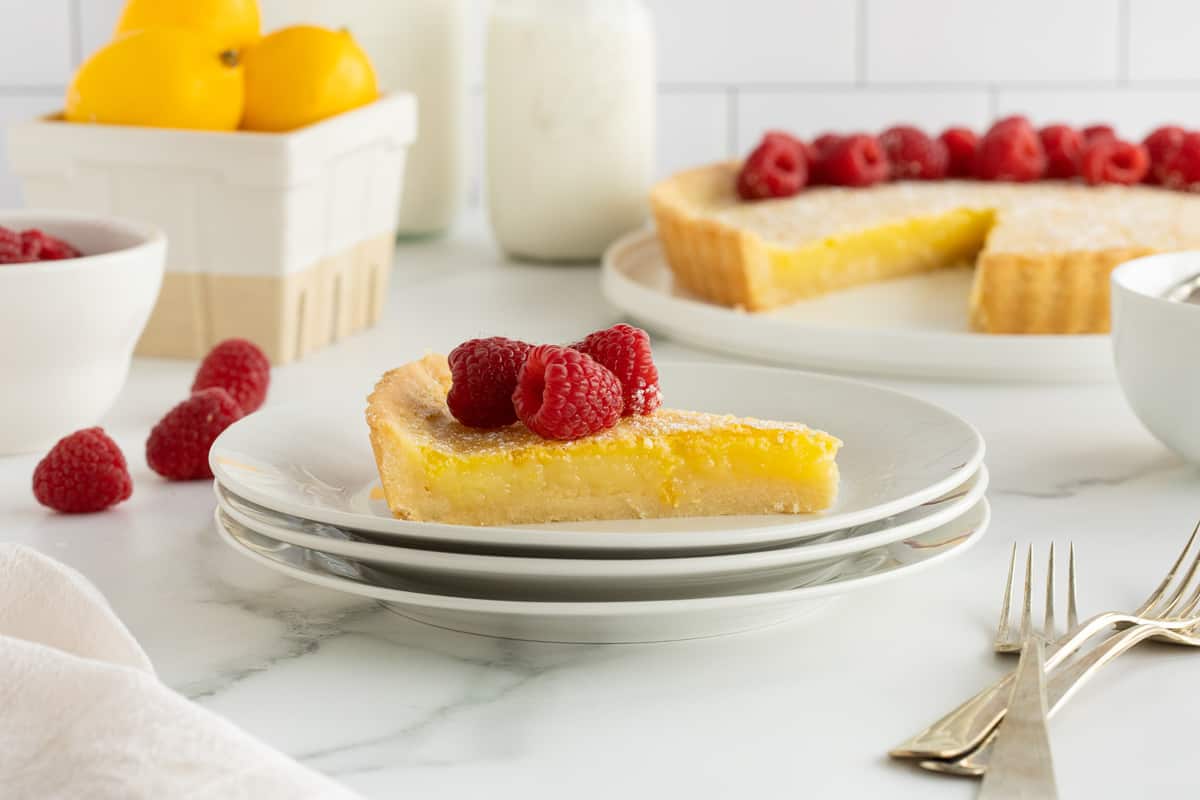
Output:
x,y
235,23
161,77
299,75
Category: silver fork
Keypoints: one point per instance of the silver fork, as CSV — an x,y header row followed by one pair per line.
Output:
x,y
966,727
1009,640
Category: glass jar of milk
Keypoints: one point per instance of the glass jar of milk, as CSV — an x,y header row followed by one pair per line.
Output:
x,y
570,124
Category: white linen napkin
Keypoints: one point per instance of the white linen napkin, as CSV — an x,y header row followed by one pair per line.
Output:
x,y
83,715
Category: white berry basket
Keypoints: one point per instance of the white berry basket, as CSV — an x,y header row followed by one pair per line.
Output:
x,y
283,239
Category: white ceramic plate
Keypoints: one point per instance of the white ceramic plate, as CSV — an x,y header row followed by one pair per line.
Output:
x,y
316,464
913,326
501,576
600,622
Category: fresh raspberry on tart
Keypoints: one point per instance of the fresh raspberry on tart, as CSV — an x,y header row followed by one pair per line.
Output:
x,y
625,351
1114,161
856,160
912,155
960,144
564,394
1181,170
1064,149
1096,133
1161,145
484,375
778,167
1010,151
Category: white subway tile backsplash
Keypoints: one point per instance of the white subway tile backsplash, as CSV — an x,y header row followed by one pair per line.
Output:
x,y
97,20
693,128
957,41
1134,112
811,112
14,109
1162,40
731,69
755,41
35,42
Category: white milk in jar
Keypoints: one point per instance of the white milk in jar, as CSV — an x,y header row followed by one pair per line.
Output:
x,y
570,124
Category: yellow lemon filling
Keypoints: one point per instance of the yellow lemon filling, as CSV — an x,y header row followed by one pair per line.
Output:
x,y
671,463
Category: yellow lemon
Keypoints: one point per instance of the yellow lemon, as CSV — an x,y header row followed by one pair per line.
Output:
x,y
161,77
297,76
234,23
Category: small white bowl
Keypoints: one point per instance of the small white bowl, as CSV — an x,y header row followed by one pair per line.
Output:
x,y
68,328
1156,346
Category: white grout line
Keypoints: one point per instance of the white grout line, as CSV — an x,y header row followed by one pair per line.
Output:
x,y
860,43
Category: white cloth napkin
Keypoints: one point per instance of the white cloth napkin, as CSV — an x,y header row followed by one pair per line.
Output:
x,y
82,714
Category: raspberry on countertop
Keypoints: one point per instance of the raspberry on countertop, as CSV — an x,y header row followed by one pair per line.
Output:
x,y
82,473
239,367
178,445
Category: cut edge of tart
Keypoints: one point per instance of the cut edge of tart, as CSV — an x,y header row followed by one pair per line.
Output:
x,y
667,464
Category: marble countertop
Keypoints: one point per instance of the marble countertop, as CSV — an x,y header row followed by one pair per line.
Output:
x,y
393,708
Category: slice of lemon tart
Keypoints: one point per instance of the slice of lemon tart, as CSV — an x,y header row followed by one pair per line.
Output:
x,y
1043,252
666,464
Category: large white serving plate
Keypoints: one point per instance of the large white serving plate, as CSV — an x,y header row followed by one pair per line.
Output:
x,y
911,327
316,464
557,578
604,622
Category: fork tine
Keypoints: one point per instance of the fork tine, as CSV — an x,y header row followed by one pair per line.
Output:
x,y
1027,602
1002,632
1157,594
1177,595
1072,612
1048,622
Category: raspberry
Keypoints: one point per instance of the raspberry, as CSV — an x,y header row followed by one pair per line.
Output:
x,y
10,247
1181,170
178,445
856,160
1010,151
1114,161
563,394
1064,147
238,367
625,351
912,154
809,151
1161,145
776,168
485,376
32,245
1095,133
960,144
42,247
820,149
84,472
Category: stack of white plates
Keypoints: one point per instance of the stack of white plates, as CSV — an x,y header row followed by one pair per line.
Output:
x,y
297,491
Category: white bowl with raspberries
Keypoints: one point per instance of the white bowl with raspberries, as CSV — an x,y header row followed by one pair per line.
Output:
x,y
75,293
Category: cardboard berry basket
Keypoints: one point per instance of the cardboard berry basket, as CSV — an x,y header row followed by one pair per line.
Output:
x,y
284,239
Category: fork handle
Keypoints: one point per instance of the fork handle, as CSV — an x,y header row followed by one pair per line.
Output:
x,y
961,730
1062,685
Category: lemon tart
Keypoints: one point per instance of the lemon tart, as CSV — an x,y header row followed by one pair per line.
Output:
x,y
1043,251
666,464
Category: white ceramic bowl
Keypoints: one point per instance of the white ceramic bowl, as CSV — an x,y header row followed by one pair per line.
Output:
x,y
1156,346
68,328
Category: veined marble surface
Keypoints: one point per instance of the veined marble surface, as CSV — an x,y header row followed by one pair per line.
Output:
x,y
397,709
